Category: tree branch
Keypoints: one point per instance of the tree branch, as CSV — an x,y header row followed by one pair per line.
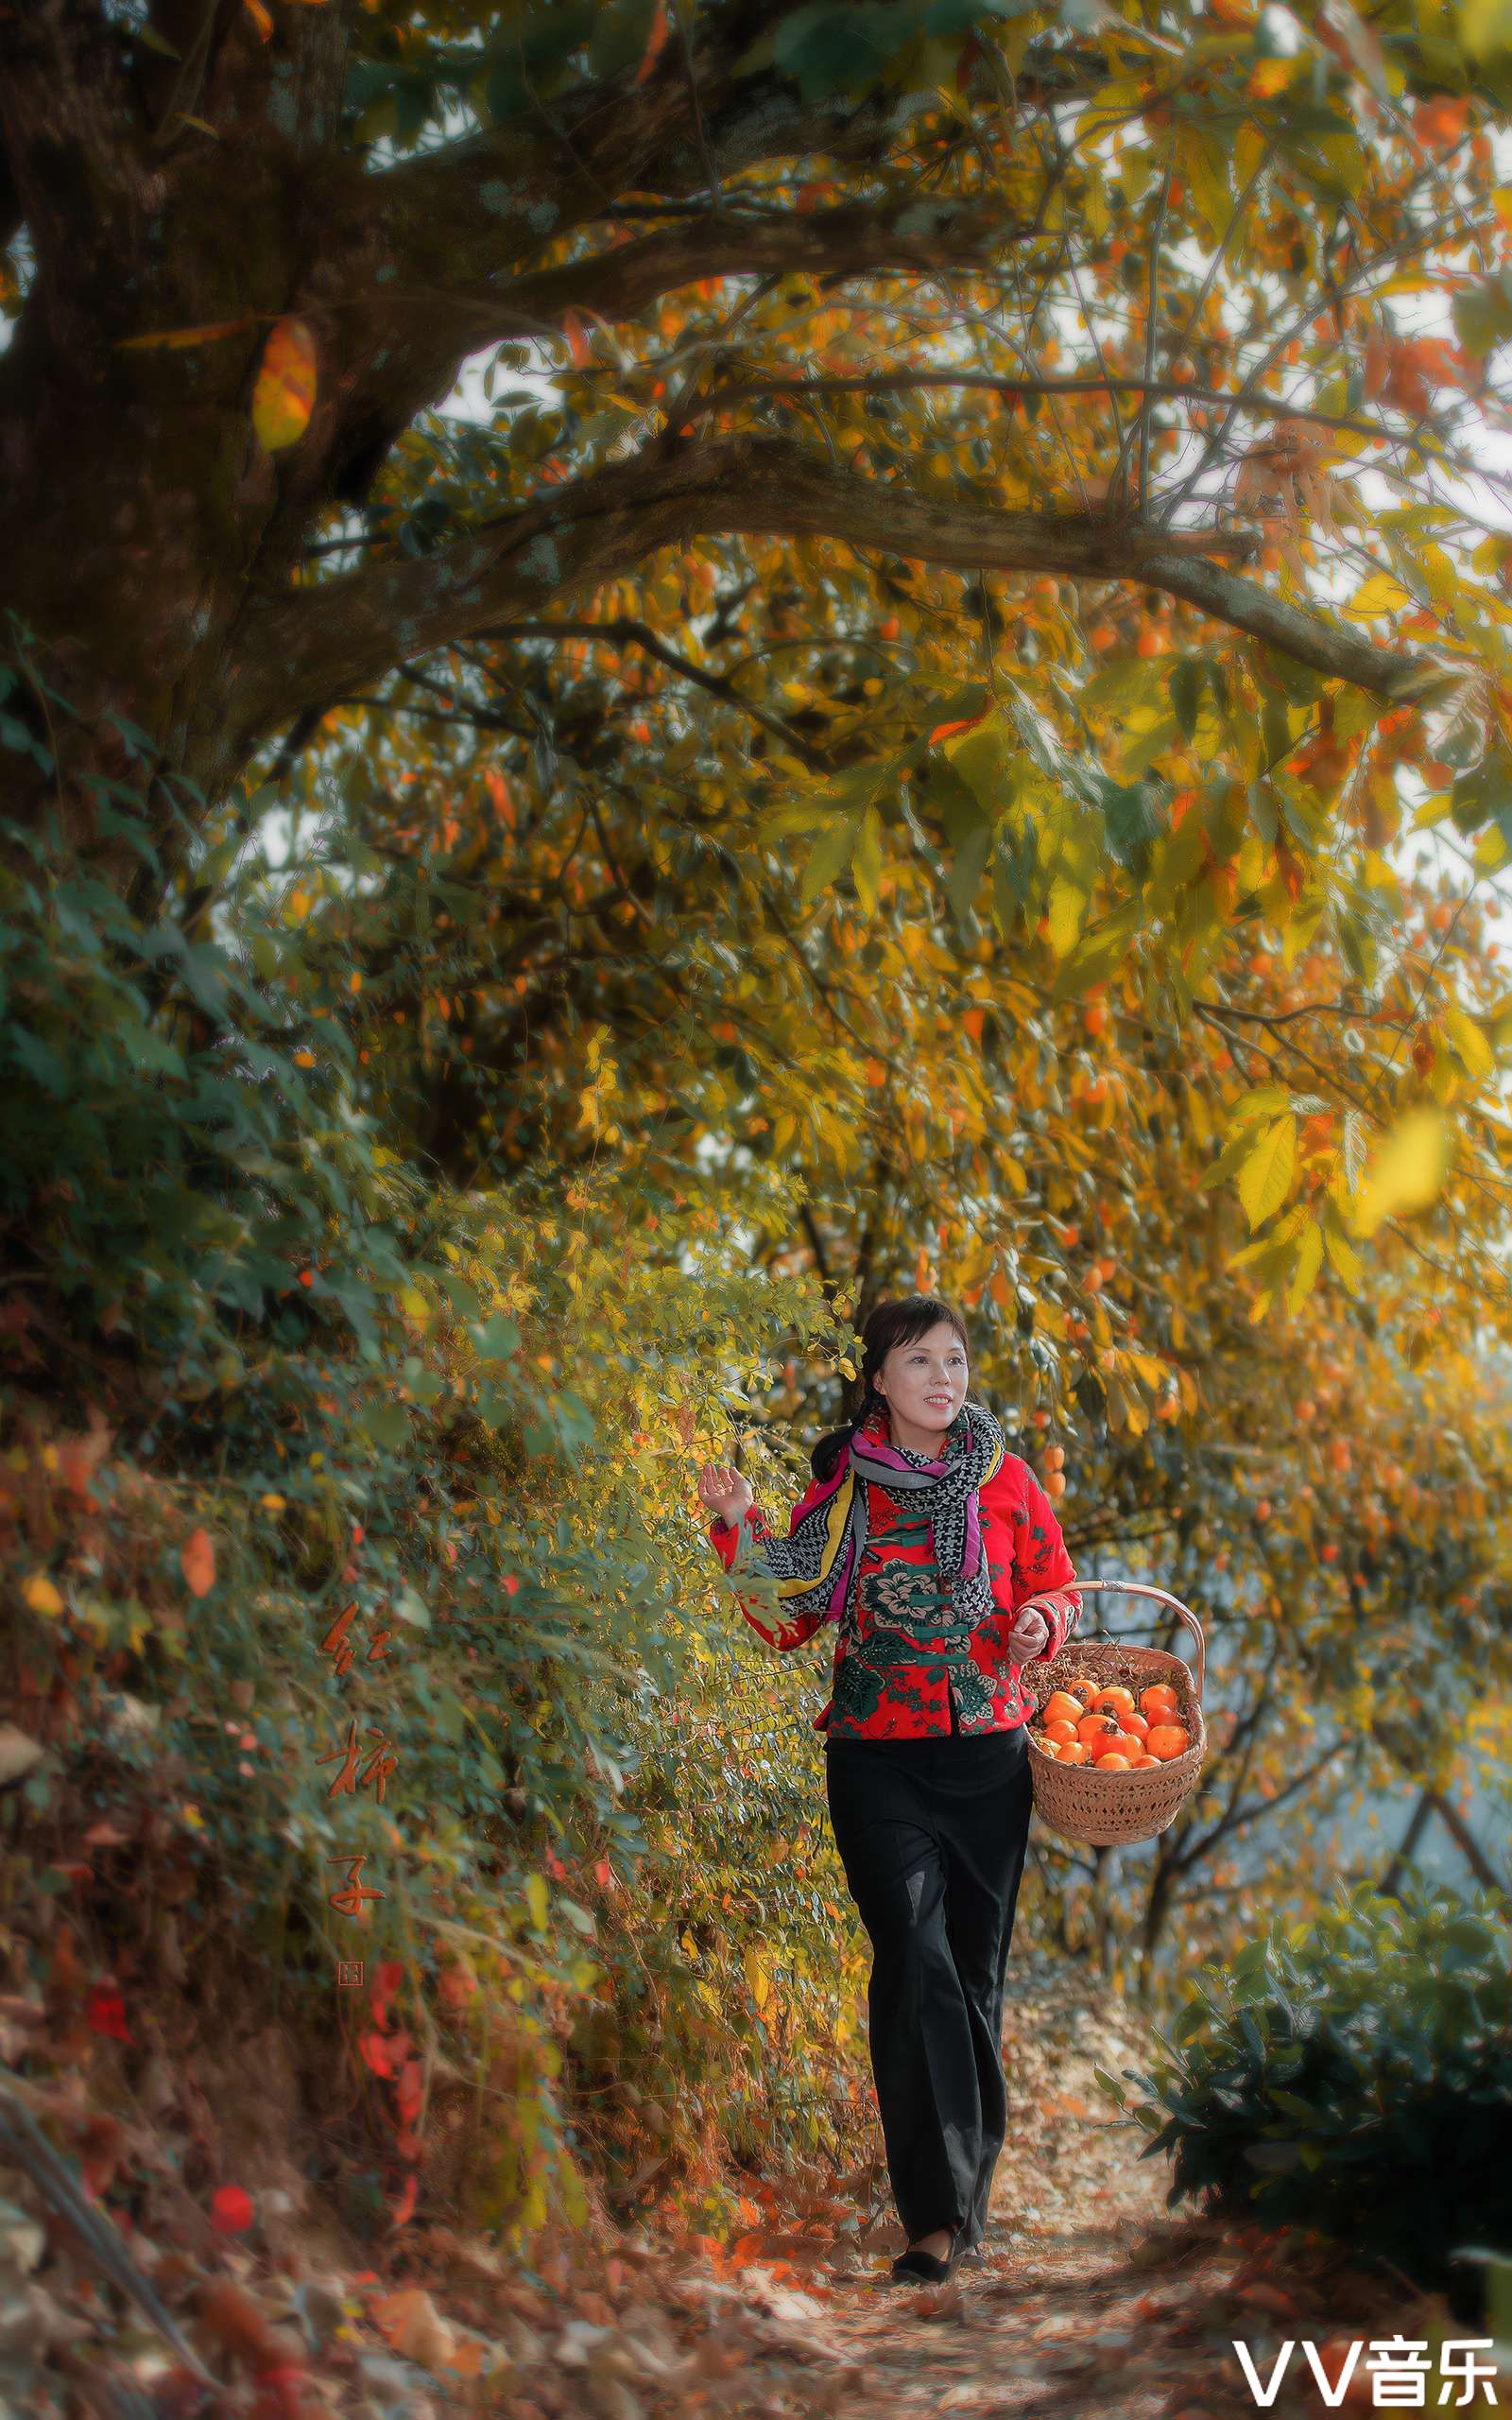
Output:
x,y
323,640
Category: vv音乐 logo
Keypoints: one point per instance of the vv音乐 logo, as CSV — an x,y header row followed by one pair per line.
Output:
x,y
1399,2371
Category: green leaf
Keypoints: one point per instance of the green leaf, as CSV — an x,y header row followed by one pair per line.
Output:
x,y
830,855
964,879
866,863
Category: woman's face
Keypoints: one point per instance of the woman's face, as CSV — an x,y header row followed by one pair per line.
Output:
x,y
925,1380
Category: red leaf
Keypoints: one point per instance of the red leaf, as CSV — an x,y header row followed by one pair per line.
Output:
x,y
403,2207
653,48
231,2209
601,1872
945,730
375,2054
571,328
385,1982
105,2013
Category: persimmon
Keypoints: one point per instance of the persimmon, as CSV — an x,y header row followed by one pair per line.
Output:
x,y
1061,1731
1061,1706
1093,1727
1074,1754
1113,1764
1127,1744
1159,1700
1079,1686
1048,1745
1168,1739
1137,1724
1113,1697
1137,1764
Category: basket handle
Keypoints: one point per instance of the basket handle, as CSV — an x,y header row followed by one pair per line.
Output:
x,y
1133,1588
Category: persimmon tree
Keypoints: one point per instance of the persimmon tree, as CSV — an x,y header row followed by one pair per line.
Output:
x,y
1078,419
1050,279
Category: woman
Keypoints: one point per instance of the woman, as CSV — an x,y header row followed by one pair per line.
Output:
x,y
921,1537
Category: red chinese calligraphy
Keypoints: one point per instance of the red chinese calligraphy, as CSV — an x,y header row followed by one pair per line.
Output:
x,y
380,1763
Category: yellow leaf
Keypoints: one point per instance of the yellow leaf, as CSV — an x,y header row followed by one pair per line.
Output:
x,y
536,1901
1468,1041
1407,1171
283,397
1344,1259
42,1596
758,1978
1484,27
174,340
1065,909
1380,595
1265,1177
1304,1277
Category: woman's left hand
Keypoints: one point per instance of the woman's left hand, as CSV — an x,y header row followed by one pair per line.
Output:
x,y
1029,1637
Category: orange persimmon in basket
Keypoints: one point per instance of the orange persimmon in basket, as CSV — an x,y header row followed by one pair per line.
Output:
x,y
1168,1739
1160,1702
1114,1698
1061,1706
1123,1743
1093,1727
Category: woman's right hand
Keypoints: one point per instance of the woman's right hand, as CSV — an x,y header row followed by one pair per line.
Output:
x,y
726,1491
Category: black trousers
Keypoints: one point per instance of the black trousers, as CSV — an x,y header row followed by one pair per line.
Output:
x,y
932,1834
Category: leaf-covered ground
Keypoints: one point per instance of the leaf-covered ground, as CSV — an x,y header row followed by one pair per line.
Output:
x,y
1088,2292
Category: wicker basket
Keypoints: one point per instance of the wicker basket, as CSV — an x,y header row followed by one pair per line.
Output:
x,y
1106,1810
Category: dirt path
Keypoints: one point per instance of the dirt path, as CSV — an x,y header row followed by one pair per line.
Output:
x,y
1089,2297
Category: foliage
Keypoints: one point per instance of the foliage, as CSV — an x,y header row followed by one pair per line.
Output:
x,y
1352,2073
332,1453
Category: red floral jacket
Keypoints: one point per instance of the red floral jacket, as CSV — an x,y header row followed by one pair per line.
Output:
x,y
940,1691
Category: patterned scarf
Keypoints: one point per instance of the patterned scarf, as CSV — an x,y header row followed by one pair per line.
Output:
x,y
815,1566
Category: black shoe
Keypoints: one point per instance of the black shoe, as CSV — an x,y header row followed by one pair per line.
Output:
x,y
913,2268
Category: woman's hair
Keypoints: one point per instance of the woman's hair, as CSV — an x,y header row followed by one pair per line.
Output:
x,y
889,1324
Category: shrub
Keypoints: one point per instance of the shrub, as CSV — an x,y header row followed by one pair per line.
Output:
x,y
1353,2075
